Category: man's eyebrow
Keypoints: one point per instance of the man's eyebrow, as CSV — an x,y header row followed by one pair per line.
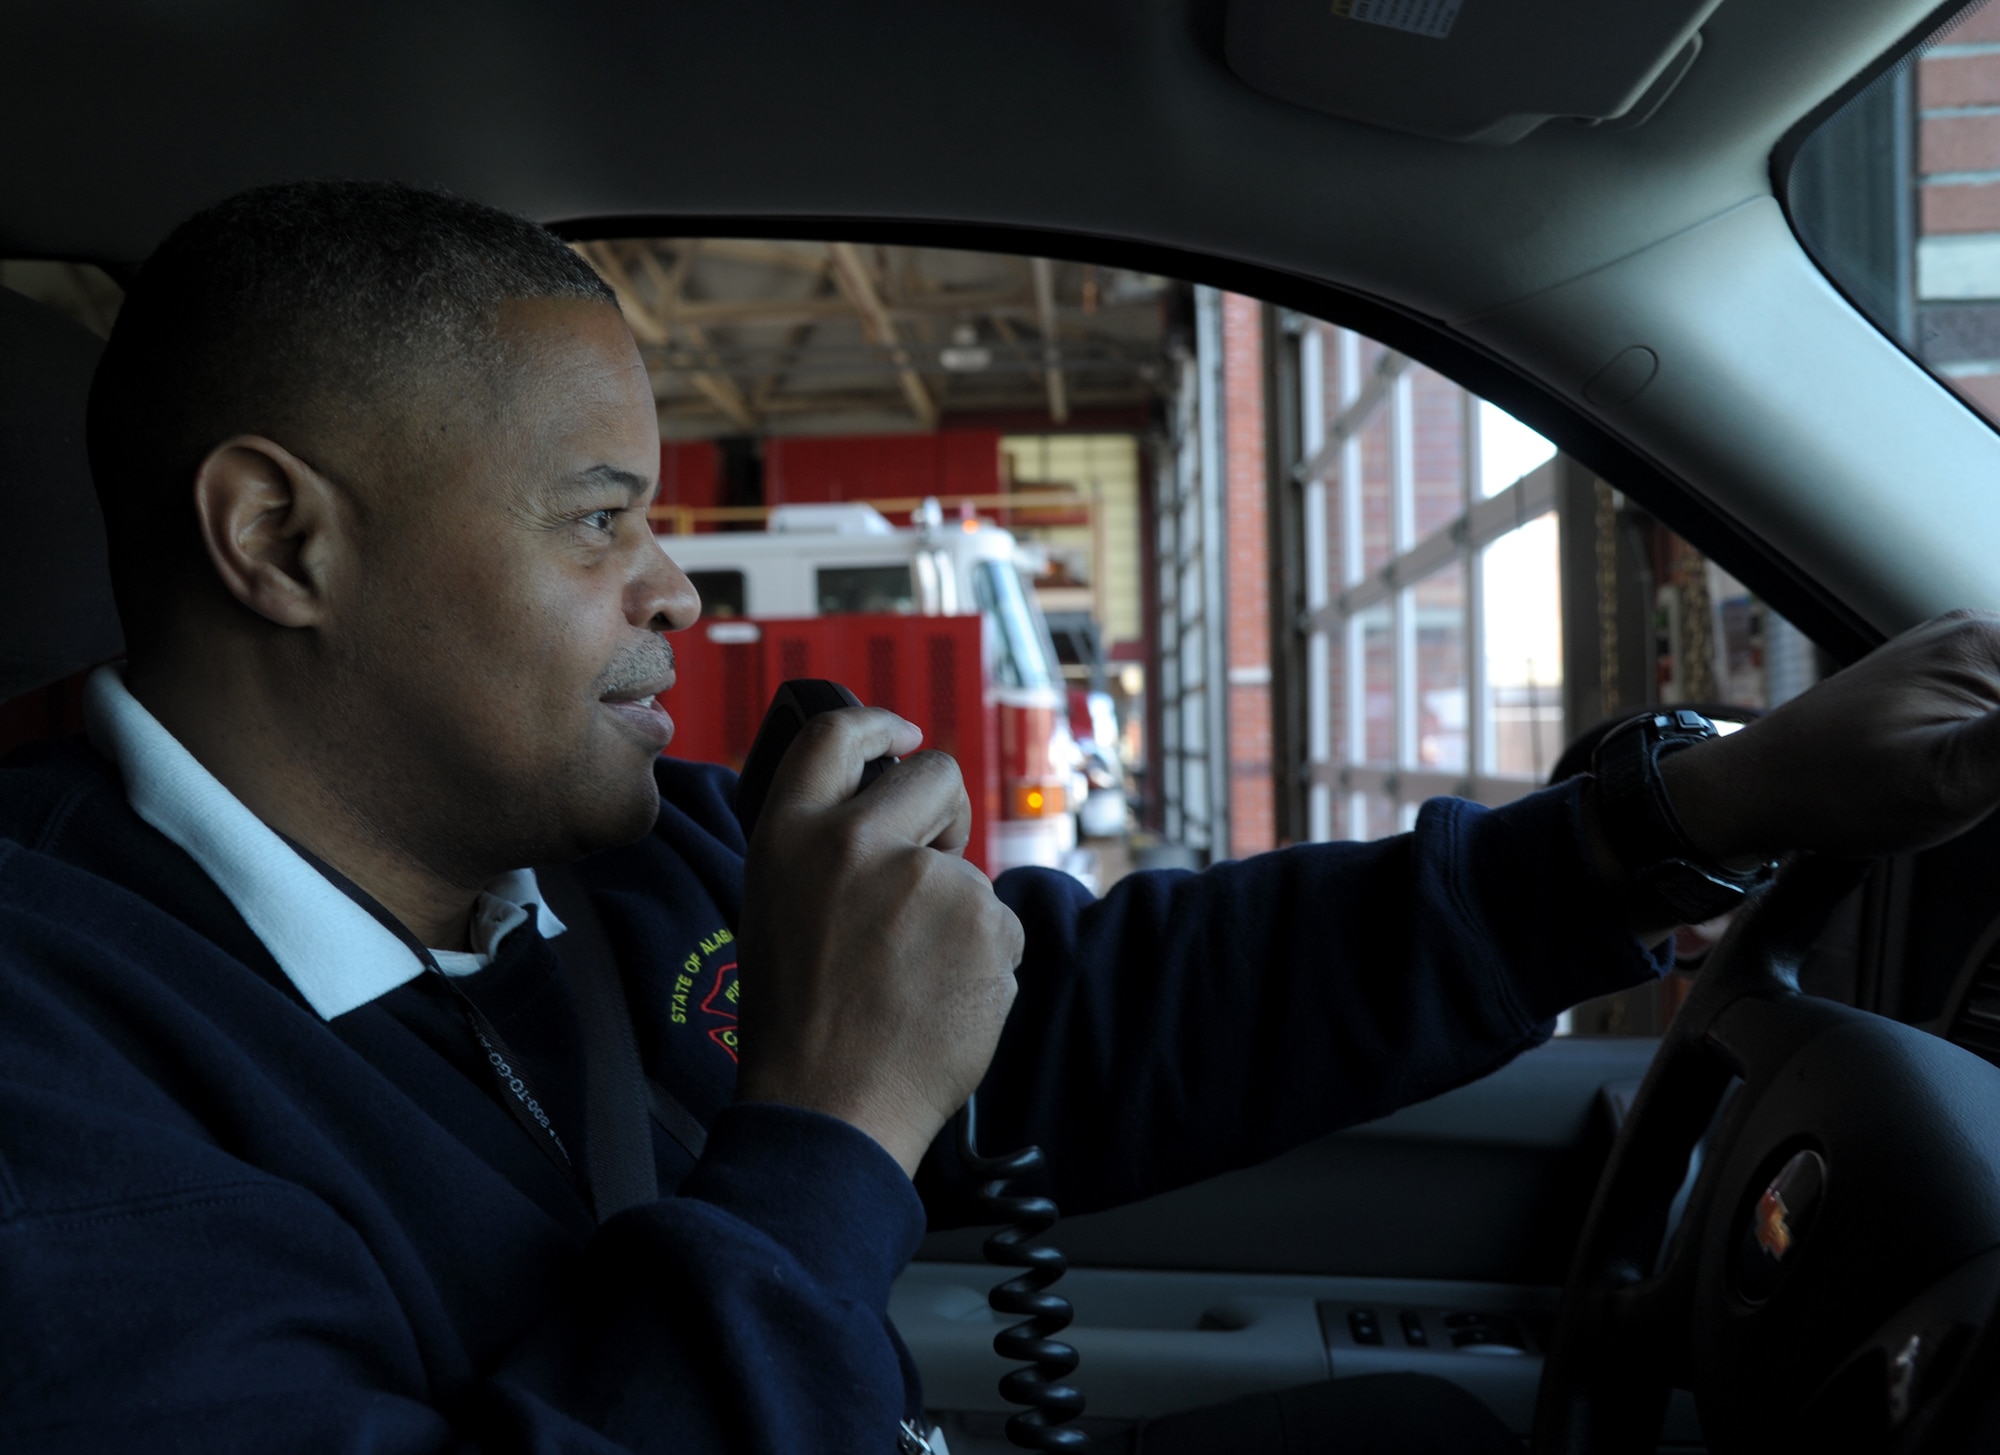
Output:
x,y
599,477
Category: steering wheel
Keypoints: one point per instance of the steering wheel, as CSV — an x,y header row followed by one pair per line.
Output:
x,y
1833,1279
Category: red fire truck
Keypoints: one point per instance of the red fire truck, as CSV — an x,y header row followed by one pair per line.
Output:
x,y
933,622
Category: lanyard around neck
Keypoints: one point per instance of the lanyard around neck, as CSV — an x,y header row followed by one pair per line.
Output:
x,y
516,1093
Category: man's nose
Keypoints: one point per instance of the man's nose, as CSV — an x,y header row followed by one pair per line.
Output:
x,y
661,599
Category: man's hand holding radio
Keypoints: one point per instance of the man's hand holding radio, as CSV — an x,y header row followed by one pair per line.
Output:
x,y
877,964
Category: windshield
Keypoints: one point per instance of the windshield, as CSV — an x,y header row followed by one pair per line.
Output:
x,y
865,589
1024,655
1897,196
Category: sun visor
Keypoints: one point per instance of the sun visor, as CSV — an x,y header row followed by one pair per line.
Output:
x,y
1487,71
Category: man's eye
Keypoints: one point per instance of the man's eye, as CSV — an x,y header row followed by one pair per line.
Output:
x,y
603,520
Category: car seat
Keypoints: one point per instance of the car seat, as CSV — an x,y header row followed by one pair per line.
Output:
x,y
56,614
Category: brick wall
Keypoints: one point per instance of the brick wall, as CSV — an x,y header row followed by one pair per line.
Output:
x,y
1437,431
1958,197
1247,580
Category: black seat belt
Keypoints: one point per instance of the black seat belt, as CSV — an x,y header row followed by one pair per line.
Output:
x,y
618,1095
618,1145
676,1120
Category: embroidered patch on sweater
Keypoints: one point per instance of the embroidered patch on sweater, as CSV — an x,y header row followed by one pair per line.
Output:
x,y
705,990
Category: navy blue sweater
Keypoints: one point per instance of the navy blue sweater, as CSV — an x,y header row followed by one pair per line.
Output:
x,y
226,1224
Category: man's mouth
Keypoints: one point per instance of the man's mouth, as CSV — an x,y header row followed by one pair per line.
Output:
x,y
636,707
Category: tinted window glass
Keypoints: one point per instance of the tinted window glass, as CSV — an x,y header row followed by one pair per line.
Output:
x,y
865,588
721,592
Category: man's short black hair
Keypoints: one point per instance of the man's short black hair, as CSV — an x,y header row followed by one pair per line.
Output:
x,y
295,311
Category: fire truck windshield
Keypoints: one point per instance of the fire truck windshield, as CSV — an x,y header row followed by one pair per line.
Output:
x,y
1023,655
864,588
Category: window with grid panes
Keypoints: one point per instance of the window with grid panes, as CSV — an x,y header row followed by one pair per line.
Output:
x,y
1434,638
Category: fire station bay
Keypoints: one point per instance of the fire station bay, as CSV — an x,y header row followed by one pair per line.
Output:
x,y
1176,574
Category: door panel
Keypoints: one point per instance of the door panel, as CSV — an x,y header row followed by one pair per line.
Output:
x,y
1486,1183
1469,1203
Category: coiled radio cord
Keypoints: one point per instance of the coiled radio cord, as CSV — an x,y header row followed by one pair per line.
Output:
x,y
1051,1403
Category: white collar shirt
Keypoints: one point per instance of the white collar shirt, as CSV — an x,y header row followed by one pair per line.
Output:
x,y
337,954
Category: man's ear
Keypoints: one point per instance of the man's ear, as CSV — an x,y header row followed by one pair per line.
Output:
x,y
271,524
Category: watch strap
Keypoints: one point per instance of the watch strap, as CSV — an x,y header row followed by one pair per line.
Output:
x,y
1683,885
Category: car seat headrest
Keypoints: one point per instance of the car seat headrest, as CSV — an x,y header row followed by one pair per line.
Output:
x,y
56,612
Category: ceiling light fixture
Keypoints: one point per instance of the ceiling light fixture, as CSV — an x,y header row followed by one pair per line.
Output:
x,y
965,354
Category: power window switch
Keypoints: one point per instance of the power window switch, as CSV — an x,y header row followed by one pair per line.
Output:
x,y
1486,1341
1363,1326
1413,1330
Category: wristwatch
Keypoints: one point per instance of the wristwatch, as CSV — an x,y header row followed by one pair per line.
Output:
x,y
1683,884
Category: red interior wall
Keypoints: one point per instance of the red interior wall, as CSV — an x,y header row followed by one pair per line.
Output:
x,y
926,668
863,467
690,474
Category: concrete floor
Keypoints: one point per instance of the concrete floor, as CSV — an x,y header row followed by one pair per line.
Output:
x,y
1114,860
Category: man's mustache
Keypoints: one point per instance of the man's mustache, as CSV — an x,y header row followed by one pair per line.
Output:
x,y
636,668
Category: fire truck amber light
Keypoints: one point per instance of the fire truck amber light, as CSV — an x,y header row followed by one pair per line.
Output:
x,y
1030,800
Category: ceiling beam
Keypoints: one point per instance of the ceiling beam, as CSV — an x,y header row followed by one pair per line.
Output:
x,y
1012,353
787,354
751,312
689,406
854,280
638,317
891,403
648,328
1045,313
748,364
669,283
800,257
711,378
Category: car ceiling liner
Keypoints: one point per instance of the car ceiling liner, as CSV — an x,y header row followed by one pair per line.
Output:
x,y
1483,71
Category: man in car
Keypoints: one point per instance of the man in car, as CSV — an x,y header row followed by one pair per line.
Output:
x,y
295,1148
